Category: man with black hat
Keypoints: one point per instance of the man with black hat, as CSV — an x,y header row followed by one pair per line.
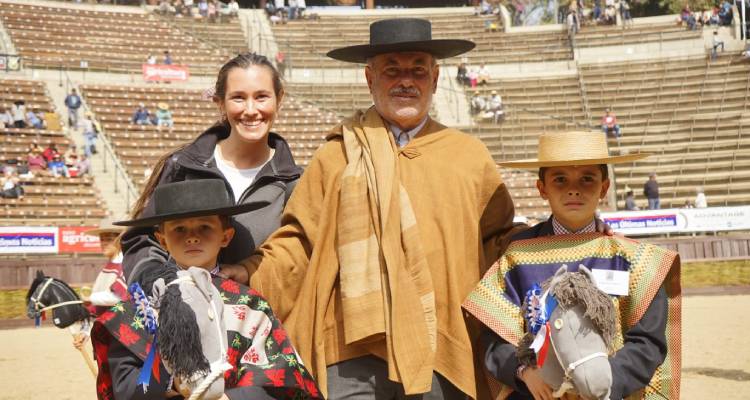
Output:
x,y
384,234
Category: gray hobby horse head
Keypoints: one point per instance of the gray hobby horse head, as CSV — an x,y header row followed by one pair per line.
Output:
x,y
582,328
192,338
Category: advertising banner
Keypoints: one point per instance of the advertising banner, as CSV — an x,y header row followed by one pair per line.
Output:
x,y
72,240
28,239
679,220
163,72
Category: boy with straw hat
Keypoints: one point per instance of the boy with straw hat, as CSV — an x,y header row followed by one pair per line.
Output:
x,y
642,279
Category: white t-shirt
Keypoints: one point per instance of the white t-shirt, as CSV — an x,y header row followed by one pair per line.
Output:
x,y
239,179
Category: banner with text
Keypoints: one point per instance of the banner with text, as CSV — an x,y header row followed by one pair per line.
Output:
x,y
679,220
73,240
28,239
163,72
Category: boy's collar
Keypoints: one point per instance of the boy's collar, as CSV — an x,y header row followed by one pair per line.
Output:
x,y
560,229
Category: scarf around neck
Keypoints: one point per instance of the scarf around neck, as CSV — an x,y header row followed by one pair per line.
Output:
x,y
386,285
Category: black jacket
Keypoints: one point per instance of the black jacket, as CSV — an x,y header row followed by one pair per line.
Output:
x,y
633,366
651,189
274,183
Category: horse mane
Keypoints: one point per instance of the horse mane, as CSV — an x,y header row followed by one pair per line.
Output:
x,y
34,285
179,340
574,289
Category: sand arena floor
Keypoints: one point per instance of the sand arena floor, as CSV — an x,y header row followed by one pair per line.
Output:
x,y
42,364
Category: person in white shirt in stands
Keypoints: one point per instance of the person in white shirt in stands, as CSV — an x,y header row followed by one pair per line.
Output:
x,y
700,198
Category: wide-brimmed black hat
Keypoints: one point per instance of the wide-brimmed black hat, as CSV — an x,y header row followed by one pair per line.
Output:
x,y
400,35
193,198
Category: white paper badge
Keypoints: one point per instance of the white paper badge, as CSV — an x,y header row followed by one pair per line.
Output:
x,y
612,282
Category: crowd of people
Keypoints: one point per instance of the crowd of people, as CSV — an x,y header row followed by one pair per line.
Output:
x,y
490,107
161,118
206,10
19,116
281,11
718,15
472,76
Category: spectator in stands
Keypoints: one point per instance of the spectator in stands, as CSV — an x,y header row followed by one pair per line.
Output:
x,y
203,8
716,42
212,11
90,132
6,119
164,116
483,76
597,11
292,9
151,59
18,111
141,116
188,7
50,152
478,103
725,13
167,58
462,75
495,106
35,160
624,8
687,17
23,171
651,191
165,8
73,103
11,186
83,165
57,167
179,8
234,8
10,166
473,76
714,16
609,123
241,149
35,119
281,62
630,201
700,198
71,156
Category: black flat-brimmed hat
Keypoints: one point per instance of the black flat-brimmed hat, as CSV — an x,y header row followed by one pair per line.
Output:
x,y
401,35
193,198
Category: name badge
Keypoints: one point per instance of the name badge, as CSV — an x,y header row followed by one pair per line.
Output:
x,y
612,282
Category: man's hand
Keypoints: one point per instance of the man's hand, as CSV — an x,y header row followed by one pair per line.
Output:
x,y
602,227
235,272
536,385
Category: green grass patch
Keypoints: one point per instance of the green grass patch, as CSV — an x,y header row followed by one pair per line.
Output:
x,y
715,273
694,274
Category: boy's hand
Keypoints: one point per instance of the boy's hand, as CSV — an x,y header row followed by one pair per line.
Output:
x,y
78,340
235,272
602,227
536,385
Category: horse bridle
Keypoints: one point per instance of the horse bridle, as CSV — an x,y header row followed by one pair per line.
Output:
x,y
573,365
39,307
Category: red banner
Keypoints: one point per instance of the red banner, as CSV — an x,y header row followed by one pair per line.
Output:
x,y
163,72
73,240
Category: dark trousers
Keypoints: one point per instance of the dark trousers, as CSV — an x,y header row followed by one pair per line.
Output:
x,y
366,378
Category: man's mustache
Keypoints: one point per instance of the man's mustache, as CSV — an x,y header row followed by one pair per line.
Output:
x,y
404,91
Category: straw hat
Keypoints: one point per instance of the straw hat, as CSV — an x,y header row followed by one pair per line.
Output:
x,y
105,226
163,106
559,149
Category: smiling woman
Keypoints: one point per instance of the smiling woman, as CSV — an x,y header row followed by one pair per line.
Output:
x,y
255,163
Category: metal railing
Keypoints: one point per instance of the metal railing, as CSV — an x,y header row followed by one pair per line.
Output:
x,y
120,177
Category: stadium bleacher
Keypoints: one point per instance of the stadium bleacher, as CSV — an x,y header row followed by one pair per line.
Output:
x,y
57,37
138,146
48,199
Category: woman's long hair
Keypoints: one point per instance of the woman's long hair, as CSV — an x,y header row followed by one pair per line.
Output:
x,y
243,61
